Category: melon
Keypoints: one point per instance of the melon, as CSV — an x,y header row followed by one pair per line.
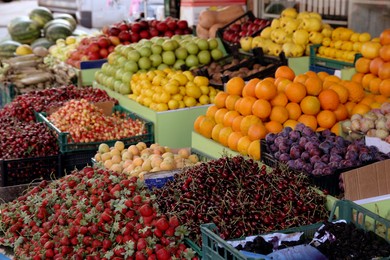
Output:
x,y
8,48
57,31
68,18
41,15
24,30
43,42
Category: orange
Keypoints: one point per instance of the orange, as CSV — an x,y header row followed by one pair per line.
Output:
x,y
249,88
313,86
375,64
341,91
310,105
197,123
301,78
219,115
360,109
367,100
329,80
308,120
220,99
358,77
257,131
341,112
237,123
211,110
278,114
243,145
384,88
375,105
281,84
261,108
215,132
270,79
265,89
355,91
326,119
234,86
247,121
329,99
295,92
285,72
233,139
245,105
224,135
229,117
366,80
362,65
384,52
206,126
384,71
349,106
336,128
254,150
322,74
294,110
237,104
374,85
290,123
380,98
279,100
274,127
311,74
230,101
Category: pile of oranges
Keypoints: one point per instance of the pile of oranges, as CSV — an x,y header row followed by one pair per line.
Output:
x,y
373,69
246,111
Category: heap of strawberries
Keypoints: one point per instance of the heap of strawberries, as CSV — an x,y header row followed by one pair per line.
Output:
x,y
91,214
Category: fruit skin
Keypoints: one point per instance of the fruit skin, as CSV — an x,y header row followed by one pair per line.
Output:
x,y
8,48
24,30
68,18
57,31
41,15
42,42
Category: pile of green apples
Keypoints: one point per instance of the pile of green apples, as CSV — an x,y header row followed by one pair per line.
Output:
x,y
178,52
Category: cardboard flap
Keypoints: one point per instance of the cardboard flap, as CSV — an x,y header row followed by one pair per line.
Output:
x,y
107,107
367,181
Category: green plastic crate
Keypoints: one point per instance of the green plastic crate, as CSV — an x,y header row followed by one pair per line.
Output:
x,y
329,63
215,248
67,146
7,92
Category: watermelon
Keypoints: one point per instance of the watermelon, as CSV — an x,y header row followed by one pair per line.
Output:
x,y
57,31
8,48
68,18
43,42
24,30
55,22
41,16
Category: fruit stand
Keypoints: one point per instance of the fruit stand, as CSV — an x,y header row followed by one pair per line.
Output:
x,y
229,136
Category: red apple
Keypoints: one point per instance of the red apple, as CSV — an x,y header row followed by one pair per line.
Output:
x,y
179,31
144,25
123,26
103,42
243,33
75,55
135,37
111,48
114,40
169,34
136,27
126,42
153,23
114,31
187,30
162,26
144,34
172,25
103,53
182,24
235,27
93,47
85,41
105,29
124,36
153,32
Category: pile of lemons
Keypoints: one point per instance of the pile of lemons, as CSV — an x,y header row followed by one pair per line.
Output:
x,y
169,89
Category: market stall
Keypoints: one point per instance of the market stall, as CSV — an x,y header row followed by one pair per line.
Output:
x,y
227,135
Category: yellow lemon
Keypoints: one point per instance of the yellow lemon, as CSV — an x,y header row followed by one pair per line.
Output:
x,y
201,81
23,49
205,90
171,88
204,99
162,107
173,104
181,78
70,40
189,101
193,91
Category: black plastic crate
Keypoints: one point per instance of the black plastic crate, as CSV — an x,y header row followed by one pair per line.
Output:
x,y
248,16
28,170
65,140
76,160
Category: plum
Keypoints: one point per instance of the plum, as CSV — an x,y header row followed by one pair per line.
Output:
x,y
310,145
302,141
325,147
315,151
284,147
319,165
298,164
335,158
331,139
326,133
314,159
270,138
325,158
353,147
351,155
347,164
338,150
277,155
295,152
294,135
284,157
279,139
334,165
317,172
272,148
307,131
305,156
307,167
327,170
299,127
341,141
365,157
291,164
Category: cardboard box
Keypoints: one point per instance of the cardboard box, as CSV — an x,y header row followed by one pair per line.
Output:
x,y
367,181
383,146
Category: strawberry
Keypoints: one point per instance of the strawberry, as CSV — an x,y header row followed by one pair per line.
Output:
x,y
163,254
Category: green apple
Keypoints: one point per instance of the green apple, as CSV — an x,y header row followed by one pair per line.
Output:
x,y
134,55
169,57
192,60
117,85
119,73
144,42
156,48
202,44
144,63
213,43
126,49
204,57
156,60
111,70
176,37
126,77
110,82
121,60
176,44
162,66
131,66
178,64
216,54
124,88
168,45
192,48
181,53
159,40
105,68
145,51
